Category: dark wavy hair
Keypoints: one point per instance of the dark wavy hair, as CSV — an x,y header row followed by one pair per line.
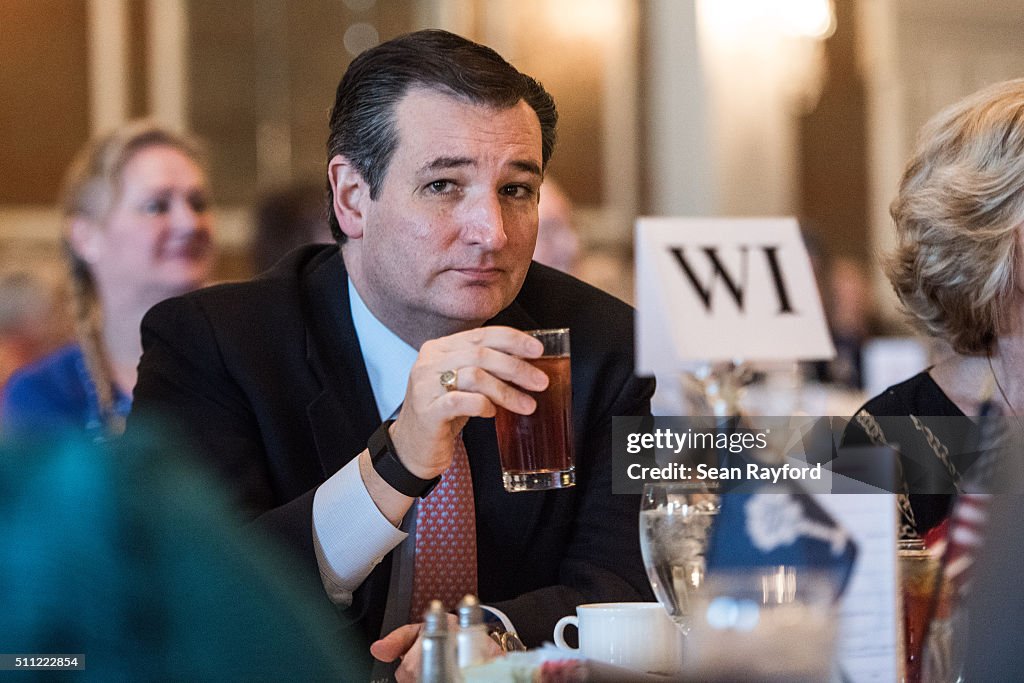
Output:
x,y
362,127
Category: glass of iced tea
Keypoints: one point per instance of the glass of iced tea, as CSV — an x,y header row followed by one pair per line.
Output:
x,y
536,450
919,574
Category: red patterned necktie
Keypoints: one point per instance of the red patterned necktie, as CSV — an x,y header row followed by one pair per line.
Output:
x,y
445,563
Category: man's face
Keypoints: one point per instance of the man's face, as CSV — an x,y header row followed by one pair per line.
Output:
x,y
447,243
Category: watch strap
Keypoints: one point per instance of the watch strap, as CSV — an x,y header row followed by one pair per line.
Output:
x,y
390,468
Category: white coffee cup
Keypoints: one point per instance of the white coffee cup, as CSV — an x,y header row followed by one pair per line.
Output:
x,y
633,635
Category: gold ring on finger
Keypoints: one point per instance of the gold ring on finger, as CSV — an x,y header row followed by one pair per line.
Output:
x,y
449,380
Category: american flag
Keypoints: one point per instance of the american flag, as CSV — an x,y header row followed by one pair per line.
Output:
x,y
958,539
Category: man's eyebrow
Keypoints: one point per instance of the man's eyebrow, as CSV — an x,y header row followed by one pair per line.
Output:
x,y
441,163
527,166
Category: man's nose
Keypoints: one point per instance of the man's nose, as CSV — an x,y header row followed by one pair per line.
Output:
x,y
485,223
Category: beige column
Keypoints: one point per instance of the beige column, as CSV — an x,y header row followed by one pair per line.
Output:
x,y
678,155
168,62
108,63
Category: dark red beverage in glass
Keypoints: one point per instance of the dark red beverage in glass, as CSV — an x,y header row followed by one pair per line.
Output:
x,y
536,450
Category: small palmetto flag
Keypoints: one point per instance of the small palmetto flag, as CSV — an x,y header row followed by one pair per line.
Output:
x,y
779,526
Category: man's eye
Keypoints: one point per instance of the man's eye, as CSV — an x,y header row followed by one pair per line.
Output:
x,y
441,186
517,191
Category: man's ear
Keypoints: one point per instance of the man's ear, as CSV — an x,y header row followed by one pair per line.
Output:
x,y
351,196
86,238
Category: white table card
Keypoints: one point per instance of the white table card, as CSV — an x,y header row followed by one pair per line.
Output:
x,y
712,289
868,648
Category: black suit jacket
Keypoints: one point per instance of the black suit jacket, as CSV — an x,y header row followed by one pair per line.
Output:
x,y
268,378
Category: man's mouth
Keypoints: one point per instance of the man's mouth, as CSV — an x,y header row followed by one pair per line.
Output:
x,y
482,274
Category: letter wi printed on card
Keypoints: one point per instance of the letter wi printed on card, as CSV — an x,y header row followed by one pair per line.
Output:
x,y
711,289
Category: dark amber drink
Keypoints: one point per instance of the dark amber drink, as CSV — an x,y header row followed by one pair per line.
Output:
x,y
536,450
919,572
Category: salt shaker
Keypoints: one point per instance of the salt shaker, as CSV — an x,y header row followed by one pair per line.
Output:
x,y
473,644
438,655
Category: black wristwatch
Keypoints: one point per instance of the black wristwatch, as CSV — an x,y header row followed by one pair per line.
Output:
x,y
390,468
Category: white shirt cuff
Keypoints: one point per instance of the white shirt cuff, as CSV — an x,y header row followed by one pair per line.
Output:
x,y
350,535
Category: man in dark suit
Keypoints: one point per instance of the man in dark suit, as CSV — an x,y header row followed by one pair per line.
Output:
x,y
436,155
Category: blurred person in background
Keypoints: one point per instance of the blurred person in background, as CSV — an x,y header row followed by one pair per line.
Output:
x,y
138,228
558,240
958,269
287,218
33,319
609,267
123,554
849,306
995,607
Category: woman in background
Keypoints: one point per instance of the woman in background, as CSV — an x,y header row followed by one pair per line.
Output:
x,y
32,320
137,229
958,270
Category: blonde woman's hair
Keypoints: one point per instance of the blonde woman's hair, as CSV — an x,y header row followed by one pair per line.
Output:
x,y
958,213
92,186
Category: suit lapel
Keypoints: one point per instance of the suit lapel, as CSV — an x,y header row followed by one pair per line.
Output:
x,y
344,414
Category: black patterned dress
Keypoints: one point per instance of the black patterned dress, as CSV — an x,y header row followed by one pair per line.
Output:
x,y
934,438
